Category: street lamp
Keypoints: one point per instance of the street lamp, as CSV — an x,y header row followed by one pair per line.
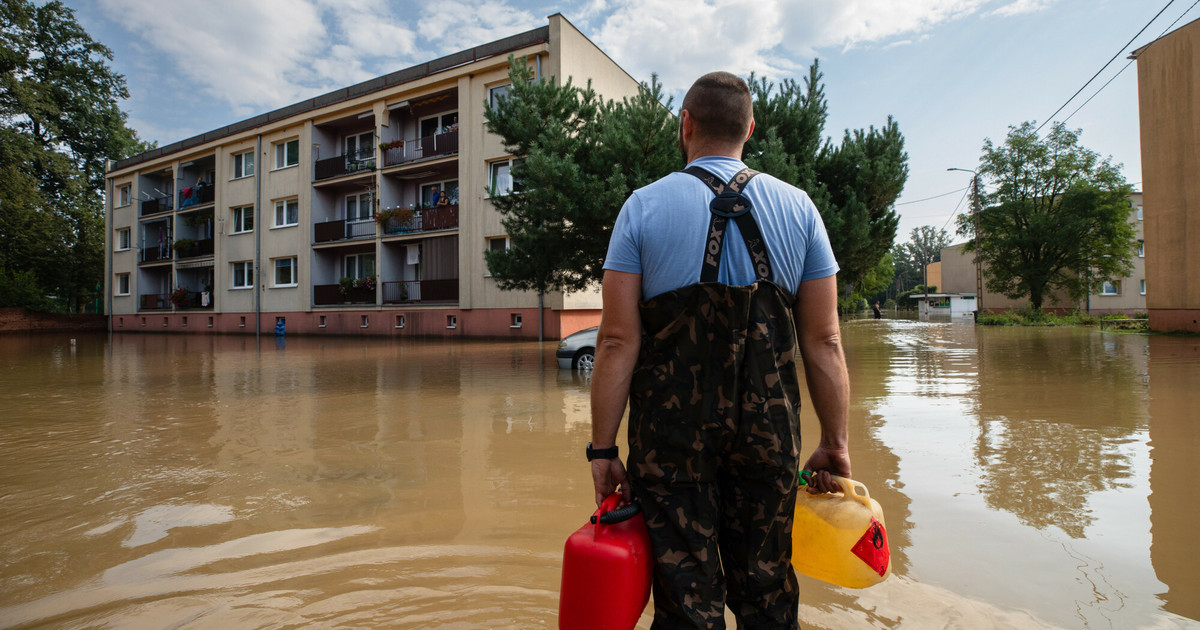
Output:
x,y
975,186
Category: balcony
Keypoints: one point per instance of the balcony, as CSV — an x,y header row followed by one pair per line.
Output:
x,y
342,230
196,196
195,300
157,205
155,253
428,220
332,295
154,302
418,291
189,248
437,145
359,161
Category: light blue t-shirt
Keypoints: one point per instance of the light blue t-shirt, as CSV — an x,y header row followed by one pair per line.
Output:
x,y
663,228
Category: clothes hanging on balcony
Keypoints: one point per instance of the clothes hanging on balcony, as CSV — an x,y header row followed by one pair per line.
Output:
x,y
414,254
204,298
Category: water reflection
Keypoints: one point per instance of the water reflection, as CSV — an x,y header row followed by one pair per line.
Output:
x,y
180,481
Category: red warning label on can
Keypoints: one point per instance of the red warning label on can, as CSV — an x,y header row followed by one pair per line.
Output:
x,y
872,548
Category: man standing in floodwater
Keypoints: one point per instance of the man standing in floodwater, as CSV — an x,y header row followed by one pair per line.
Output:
x,y
715,277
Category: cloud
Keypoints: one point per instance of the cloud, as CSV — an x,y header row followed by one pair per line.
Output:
x,y
454,25
1018,7
682,39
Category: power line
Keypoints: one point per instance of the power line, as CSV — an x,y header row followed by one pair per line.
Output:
x,y
1089,81
946,194
1126,67
956,207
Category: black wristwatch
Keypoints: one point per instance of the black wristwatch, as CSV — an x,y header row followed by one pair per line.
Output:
x,y
601,453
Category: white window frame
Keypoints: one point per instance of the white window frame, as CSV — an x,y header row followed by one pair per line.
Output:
x,y
1110,287
243,271
445,123
494,188
1139,213
124,195
118,281
243,164
441,188
283,205
358,265
1141,249
498,91
281,152
293,264
487,273
357,140
241,216
1142,287
127,245
358,204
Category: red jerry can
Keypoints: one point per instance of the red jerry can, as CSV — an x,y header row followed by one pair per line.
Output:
x,y
607,568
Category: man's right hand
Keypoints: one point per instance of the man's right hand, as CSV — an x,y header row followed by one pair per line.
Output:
x,y
607,474
824,463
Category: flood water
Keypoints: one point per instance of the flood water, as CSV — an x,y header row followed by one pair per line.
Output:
x,y
1031,478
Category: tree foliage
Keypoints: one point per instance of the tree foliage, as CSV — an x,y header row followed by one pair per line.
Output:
x,y
854,184
59,122
1058,217
581,157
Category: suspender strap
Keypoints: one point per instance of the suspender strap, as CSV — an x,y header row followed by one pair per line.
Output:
x,y
730,203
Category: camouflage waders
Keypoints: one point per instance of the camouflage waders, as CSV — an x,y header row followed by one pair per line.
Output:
x,y
714,437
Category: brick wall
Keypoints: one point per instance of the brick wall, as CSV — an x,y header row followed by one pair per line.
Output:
x,y
21,320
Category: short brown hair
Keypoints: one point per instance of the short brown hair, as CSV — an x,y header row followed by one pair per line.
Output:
x,y
720,105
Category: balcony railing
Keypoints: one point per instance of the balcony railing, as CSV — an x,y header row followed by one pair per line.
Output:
x,y
187,248
355,162
413,291
196,300
419,148
154,301
155,253
156,205
341,230
429,219
332,295
196,196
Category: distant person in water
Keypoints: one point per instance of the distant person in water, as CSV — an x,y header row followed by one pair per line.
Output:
x,y
878,313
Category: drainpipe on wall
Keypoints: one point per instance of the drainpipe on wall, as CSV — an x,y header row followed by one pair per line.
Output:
x,y
258,281
108,225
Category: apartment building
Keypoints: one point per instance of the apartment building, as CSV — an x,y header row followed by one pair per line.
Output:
x,y
1169,115
1127,295
362,211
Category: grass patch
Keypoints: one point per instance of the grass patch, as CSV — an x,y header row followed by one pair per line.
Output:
x,y
1035,317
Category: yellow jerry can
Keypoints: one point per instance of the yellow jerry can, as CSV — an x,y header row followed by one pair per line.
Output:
x,y
841,537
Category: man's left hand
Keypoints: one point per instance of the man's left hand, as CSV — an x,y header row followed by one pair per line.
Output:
x,y
607,474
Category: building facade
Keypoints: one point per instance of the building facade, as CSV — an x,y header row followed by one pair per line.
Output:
x,y
361,211
1125,295
1169,113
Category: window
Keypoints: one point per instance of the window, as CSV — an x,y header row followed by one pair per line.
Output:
x,y
498,93
448,189
359,266
515,319
452,321
1141,249
500,180
287,153
1110,288
124,196
1139,213
360,146
243,164
123,239
287,212
498,244
243,219
359,207
243,275
442,123
122,284
285,272
1142,288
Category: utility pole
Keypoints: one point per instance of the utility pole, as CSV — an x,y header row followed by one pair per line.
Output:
x,y
976,208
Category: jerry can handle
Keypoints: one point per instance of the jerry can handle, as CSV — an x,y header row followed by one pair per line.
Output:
x,y
849,487
609,513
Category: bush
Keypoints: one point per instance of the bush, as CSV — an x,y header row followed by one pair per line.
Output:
x,y
890,304
1028,316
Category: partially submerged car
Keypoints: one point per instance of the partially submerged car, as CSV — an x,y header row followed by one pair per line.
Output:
x,y
577,351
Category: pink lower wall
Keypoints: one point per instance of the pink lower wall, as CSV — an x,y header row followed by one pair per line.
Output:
x,y
519,323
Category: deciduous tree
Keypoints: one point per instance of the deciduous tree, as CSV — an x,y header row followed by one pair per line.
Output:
x,y
1058,216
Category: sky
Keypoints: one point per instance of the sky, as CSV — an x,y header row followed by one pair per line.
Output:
x,y
953,73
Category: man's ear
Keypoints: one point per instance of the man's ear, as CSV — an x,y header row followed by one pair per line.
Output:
x,y
751,132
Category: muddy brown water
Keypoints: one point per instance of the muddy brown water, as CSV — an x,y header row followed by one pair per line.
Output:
x,y
1031,478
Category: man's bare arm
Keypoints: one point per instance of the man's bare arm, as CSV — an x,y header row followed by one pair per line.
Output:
x,y
820,343
617,346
